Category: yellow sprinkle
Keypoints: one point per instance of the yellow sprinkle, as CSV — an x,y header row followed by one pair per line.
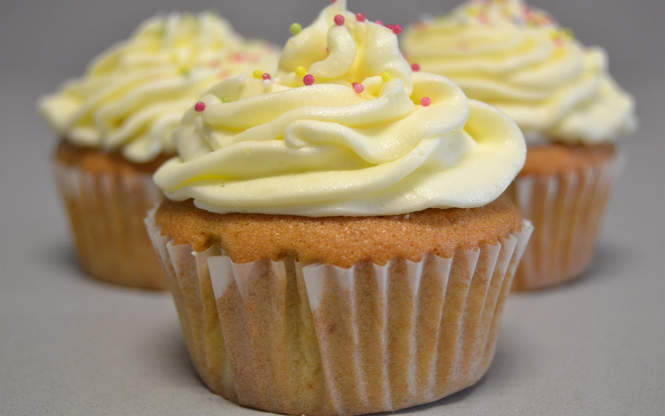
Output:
x,y
295,28
386,77
567,34
472,11
258,74
301,71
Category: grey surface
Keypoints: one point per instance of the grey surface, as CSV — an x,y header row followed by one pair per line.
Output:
x,y
71,346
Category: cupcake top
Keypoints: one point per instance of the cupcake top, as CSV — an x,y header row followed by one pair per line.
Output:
x,y
343,128
510,55
135,93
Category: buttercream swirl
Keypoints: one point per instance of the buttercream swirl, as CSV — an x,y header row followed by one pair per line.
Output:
x,y
517,58
134,94
327,149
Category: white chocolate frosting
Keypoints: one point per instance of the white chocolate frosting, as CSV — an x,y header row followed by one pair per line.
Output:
x,y
367,137
134,94
517,58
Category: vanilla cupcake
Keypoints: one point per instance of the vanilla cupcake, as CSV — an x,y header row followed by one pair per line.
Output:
x,y
570,109
334,236
115,126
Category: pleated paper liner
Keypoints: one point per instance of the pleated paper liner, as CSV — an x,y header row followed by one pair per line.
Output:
x,y
566,211
106,213
323,340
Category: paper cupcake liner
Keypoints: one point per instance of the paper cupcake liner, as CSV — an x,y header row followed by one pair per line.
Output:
x,y
566,212
323,340
106,213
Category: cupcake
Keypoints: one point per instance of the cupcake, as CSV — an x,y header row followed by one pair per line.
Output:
x,y
568,106
115,126
334,236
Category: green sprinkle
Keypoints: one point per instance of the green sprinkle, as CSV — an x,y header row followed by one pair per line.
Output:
x,y
226,100
295,28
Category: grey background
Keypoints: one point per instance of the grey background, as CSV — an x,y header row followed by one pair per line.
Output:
x,y
71,346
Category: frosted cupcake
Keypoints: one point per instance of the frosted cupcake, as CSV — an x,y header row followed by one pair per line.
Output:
x,y
333,235
568,106
115,125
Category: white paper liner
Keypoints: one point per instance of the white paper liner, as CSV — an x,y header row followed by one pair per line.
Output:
x,y
321,340
106,213
566,211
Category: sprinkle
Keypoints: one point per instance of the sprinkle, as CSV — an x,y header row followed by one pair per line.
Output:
x,y
415,67
397,29
425,101
386,77
200,106
308,79
301,71
339,20
378,22
333,1
567,34
360,17
358,87
258,74
295,28
389,27
266,76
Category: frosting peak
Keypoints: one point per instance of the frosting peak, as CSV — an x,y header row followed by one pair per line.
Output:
x,y
343,128
516,57
134,94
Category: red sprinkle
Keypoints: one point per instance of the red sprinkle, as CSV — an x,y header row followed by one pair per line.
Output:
x,y
389,27
397,29
415,67
200,106
358,87
360,17
339,20
266,76
308,79
426,101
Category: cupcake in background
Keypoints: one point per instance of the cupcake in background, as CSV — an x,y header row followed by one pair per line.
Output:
x,y
334,237
561,95
115,125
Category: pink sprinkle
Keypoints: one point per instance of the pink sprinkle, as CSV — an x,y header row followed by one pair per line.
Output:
x,y
266,76
200,106
308,79
339,20
426,101
378,22
397,29
360,17
415,67
358,87
390,27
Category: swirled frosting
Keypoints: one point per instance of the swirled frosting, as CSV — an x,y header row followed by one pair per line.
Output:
x,y
367,137
517,58
134,94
